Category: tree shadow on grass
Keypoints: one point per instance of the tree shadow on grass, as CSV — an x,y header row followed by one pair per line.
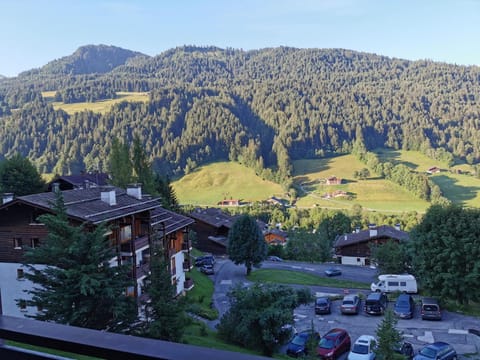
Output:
x,y
454,192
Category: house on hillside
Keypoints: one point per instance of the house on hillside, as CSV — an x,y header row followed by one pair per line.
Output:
x,y
229,202
354,248
433,170
137,223
212,226
333,180
79,181
275,236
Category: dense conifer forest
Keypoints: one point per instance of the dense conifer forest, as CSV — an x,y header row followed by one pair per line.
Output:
x,y
263,108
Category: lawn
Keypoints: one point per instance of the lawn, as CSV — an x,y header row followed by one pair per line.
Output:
x,y
372,194
101,106
212,183
300,278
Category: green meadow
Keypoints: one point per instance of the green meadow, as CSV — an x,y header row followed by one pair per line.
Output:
x,y
102,106
212,183
457,183
372,193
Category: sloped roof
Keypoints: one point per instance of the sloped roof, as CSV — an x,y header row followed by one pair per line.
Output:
x,y
214,217
78,180
383,231
86,204
171,220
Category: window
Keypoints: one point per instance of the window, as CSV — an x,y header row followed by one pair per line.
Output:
x,y
17,243
125,233
393,283
34,242
403,283
20,274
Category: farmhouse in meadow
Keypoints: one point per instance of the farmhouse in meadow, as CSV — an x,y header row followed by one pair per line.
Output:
x,y
354,248
333,180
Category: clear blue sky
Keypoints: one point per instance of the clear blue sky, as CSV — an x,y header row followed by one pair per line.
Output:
x,y
35,32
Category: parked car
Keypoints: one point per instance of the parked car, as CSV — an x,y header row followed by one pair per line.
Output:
x,y
404,306
333,271
323,305
363,348
350,304
207,269
430,309
376,303
406,349
299,344
204,260
274,258
438,350
333,344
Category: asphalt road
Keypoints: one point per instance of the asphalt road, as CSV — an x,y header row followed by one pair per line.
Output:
x,y
452,329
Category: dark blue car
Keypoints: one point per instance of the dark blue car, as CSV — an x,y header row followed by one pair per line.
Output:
x,y
404,306
439,351
299,344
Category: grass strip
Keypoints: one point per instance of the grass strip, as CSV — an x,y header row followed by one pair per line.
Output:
x,y
300,278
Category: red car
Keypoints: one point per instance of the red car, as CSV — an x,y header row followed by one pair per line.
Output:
x,y
333,344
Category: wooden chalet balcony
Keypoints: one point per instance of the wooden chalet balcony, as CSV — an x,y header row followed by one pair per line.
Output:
x,y
96,343
187,265
135,244
188,284
143,270
187,245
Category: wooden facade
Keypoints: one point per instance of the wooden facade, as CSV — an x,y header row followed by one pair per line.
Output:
x,y
354,248
136,225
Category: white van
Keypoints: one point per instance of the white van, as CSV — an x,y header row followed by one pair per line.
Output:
x,y
390,282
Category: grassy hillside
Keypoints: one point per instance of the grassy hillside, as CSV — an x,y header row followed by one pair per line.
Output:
x,y
458,183
212,183
98,106
372,193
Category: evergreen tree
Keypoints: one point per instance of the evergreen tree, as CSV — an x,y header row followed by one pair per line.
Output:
x,y
166,313
388,338
75,283
246,244
141,165
164,188
120,165
19,176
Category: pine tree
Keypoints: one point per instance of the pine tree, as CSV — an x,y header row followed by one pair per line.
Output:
x,y
120,165
388,338
166,312
141,166
75,284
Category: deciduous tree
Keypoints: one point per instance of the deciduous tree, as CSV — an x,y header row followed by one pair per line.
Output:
x,y
246,244
19,176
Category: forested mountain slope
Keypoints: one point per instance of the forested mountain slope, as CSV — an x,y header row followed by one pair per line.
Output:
x,y
262,107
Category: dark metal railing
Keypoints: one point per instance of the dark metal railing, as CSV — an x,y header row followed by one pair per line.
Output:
x,y
96,343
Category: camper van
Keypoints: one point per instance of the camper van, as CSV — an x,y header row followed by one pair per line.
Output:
x,y
390,283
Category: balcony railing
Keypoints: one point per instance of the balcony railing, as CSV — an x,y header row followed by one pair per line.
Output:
x,y
97,343
186,245
187,265
135,244
188,284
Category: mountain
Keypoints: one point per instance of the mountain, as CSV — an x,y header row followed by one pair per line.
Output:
x,y
263,108
88,59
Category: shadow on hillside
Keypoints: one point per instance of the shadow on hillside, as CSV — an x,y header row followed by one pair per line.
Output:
x,y
458,192
315,165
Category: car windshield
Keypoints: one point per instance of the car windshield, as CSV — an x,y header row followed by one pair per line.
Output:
x,y
428,352
430,308
323,303
326,343
299,340
347,302
360,349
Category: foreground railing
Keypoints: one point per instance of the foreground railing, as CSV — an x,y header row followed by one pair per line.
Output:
x,y
96,343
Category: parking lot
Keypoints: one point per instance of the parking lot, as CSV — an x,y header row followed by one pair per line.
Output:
x,y
453,328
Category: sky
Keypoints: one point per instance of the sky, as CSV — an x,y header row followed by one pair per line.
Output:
x,y
35,32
